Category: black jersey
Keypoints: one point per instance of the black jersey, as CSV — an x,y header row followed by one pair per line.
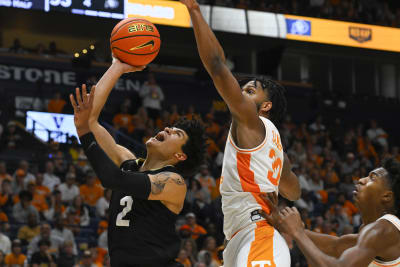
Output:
x,y
141,232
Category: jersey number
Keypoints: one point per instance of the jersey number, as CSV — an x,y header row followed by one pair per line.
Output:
x,y
276,166
127,203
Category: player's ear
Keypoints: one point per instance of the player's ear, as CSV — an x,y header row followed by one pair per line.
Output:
x,y
180,156
387,196
266,106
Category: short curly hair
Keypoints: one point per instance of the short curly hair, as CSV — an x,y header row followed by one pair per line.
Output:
x,y
194,148
392,166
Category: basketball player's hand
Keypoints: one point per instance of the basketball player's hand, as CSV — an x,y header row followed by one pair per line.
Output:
x,y
273,218
290,221
190,4
82,107
125,68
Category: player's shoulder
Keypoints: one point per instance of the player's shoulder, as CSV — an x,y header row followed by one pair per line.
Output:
x,y
381,231
169,176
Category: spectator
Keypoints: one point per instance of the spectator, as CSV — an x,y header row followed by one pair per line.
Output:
x,y
24,165
23,208
3,172
5,244
103,240
56,104
79,211
377,135
56,206
2,259
43,257
183,258
190,246
11,139
210,245
6,196
194,229
63,233
152,96
350,165
206,258
124,120
103,203
68,189
91,192
38,200
205,179
16,258
16,47
40,188
45,234
87,260
18,183
67,257
27,232
50,179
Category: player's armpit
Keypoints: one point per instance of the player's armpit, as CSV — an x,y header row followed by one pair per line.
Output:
x,y
289,186
167,186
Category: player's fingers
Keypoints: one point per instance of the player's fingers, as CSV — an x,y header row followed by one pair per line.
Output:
x,y
84,94
269,202
73,103
295,210
78,96
91,95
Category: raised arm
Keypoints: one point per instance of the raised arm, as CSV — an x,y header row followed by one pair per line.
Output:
x,y
243,110
117,153
289,186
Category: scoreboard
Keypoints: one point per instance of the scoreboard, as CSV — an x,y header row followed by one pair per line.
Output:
x,y
98,8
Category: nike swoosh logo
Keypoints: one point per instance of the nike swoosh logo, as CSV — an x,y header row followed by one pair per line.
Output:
x,y
144,45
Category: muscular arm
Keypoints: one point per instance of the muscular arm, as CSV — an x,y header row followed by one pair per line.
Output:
x,y
289,186
332,245
243,110
117,153
372,242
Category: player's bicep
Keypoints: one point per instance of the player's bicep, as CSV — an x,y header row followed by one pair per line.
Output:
x,y
357,256
345,242
167,186
289,186
242,108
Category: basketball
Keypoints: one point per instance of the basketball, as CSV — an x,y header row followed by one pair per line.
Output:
x,y
135,41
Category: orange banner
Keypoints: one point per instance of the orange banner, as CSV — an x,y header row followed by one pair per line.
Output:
x,y
159,11
343,33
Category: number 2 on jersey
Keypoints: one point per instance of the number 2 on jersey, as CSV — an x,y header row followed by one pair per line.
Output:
x,y
127,203
276,166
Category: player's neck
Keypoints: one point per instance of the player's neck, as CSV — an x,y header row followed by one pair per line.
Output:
x,y
372,215
153,163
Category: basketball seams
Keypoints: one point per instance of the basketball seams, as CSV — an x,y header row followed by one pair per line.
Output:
x,y
135,53
132,20
131,36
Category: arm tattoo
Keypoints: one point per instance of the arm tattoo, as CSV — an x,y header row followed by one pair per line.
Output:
x,y
161,179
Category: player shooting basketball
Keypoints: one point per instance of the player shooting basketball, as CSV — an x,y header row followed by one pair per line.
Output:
x,y
378,244
254,160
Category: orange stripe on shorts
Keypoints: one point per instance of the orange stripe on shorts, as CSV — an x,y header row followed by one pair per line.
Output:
x,y
262,248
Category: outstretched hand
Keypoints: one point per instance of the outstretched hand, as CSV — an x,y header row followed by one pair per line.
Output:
x,y
287,220
190,4
82,108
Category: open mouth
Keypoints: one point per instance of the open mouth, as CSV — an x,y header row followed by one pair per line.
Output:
x,y
160,137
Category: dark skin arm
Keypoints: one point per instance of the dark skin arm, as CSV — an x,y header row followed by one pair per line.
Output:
x,y
289,186
244,111
373,241
331,245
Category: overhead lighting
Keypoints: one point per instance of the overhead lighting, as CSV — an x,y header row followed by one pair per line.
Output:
x,y
84,51
91,47
76,54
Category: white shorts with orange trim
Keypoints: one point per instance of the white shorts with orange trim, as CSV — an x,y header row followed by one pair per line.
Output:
x,y
257,245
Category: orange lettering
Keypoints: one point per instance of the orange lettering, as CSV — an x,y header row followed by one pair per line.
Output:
x,y
276,167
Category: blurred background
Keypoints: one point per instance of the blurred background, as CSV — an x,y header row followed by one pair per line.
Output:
x,y
339,62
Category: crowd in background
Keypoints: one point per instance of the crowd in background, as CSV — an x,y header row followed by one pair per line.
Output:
x,y
385,12
53,211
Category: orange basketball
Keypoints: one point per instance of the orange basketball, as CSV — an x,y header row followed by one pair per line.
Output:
x,y
135,41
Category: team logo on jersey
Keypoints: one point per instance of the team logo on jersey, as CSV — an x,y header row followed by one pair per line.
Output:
x,y
359,34
149,43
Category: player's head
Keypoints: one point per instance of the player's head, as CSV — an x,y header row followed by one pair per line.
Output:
x,y
184,145
269,96
380,189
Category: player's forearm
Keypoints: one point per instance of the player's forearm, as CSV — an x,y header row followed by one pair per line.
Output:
x,y
314,256
326,243
210,51
290,187
103,90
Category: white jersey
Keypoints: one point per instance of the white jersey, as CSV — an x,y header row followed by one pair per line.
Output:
x,y
245,174
396,263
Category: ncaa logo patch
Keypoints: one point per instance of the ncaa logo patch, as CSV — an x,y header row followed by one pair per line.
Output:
x,y
298,27
359,34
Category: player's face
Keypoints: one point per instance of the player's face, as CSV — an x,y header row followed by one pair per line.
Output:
x,y
370,190
168,142
255,92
